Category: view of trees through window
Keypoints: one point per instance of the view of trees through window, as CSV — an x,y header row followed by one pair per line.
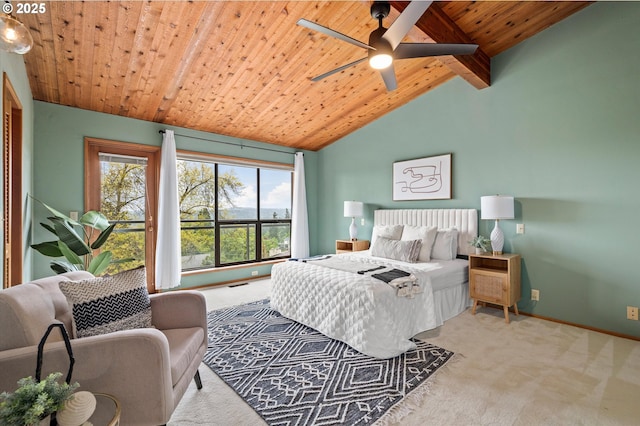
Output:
x,y
230,214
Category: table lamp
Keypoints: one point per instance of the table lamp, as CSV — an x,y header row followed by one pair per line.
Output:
x,y
353,209
496,207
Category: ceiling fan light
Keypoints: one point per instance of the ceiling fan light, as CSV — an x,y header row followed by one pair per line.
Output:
x,y
380,61
14,36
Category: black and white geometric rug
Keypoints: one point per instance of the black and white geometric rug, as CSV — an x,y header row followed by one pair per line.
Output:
x,y
291,374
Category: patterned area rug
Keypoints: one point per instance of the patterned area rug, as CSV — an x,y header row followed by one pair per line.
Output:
x,y
291,374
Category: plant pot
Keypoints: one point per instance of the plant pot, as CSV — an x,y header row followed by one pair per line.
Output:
x,y
479,250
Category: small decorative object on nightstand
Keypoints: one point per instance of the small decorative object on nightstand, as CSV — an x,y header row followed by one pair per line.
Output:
x,y
495,279
348,246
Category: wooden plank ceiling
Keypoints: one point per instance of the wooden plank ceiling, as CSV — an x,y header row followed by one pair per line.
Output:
x,y
243,68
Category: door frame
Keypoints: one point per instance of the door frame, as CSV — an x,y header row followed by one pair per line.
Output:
x,y
12,185
92,198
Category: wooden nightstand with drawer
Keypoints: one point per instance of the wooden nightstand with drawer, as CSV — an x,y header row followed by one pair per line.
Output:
x,y
495,279
348,246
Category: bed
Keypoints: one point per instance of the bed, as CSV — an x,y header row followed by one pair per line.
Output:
x,y
343,296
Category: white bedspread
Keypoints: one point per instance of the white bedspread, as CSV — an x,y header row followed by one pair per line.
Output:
x,y
359,310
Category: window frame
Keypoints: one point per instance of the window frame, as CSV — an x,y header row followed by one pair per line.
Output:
x,y
219,223
92,196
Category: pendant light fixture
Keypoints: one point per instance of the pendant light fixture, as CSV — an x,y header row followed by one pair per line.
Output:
x,y
14,35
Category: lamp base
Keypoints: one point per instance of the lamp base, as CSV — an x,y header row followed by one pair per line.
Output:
x,y
353,230
497,239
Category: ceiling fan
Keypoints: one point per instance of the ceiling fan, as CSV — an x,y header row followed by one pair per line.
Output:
x,y
385,44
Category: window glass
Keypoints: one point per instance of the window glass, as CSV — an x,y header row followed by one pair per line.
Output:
x,y
196,196
238,234
276,239
237,243
237,192
123,201
275,194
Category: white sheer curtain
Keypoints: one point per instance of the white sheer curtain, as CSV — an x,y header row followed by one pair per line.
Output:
x,y
168,262
299,219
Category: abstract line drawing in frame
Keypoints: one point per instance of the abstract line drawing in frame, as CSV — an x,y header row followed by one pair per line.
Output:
x,y
426,178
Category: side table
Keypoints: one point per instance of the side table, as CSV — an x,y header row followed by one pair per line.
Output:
x,y
107,410
495,279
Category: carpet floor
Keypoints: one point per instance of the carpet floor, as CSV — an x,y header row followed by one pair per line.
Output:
x,y
528,372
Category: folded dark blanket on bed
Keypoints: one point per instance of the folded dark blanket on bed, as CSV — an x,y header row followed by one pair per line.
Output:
x,y
391,275
364,271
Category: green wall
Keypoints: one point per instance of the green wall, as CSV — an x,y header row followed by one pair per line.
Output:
x,y
559,129
13,65
59,168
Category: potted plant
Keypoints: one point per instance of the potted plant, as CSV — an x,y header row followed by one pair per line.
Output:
x,y
77,248
34,401
482,244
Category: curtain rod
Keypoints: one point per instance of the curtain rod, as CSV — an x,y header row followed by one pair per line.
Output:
x,y
232,143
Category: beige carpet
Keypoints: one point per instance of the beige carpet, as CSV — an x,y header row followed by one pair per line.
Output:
x,y
529,372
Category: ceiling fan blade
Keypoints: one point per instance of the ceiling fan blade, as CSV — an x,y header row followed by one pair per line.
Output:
x,y
422,50
328,31
389,76
405,22
327,74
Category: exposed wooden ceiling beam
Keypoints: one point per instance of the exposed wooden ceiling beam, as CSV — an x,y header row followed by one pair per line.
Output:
x,y
437,25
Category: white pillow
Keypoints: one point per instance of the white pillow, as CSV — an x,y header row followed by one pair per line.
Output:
x,y
392,232
425,233
445,246
406,251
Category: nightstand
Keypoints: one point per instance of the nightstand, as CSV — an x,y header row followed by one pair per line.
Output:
x,y
496,280
347,246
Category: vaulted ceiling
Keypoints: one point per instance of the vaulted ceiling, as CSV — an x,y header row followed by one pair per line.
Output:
x,y
244,68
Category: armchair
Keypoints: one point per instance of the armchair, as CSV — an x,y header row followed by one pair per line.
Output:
x,y
147,370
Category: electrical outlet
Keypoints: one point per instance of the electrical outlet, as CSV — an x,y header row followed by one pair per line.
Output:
x,y
73,215
535,295
632,313
362,221
520,228
254,273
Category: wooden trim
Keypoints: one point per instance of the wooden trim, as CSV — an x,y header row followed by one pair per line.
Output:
x,y
12,184
437,25
232,267
220,284
225,159
586,327
94,146
573,324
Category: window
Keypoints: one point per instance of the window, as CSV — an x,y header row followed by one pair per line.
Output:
x,y
122,184
123,201
233,212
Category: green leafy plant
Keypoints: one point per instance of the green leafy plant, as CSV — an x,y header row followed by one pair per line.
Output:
x,y
481,242
77,247
33,401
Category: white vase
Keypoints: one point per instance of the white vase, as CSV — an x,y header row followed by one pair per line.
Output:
x,y
479,250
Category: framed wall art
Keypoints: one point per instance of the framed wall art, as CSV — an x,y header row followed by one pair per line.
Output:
x,y
426,178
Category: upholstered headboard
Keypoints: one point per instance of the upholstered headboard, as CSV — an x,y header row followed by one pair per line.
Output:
x,y
464,220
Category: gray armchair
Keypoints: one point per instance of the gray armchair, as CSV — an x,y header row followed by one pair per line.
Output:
x,y
147,370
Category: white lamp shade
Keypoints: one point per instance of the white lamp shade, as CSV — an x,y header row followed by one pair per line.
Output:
x,y
496,207
353,208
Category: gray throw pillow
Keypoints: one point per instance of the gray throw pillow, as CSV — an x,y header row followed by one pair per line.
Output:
x,y
406,251
110,303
